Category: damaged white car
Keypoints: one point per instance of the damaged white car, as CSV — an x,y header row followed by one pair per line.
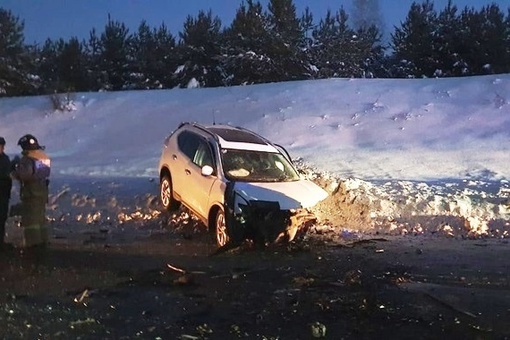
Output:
x,y
237,182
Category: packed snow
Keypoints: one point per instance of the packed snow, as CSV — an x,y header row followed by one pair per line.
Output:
x,y
407,155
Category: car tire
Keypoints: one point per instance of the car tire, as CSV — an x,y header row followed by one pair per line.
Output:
x,y
220,229
166,195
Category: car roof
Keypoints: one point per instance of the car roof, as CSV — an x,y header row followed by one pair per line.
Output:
x,y
232,134
231,137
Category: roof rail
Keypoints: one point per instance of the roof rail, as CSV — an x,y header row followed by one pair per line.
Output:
x,y
202,128
182,124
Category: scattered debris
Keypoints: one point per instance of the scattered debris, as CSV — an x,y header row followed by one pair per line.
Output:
x,y
82,296
189,337
179,270
204,330
87,321
353,277
187,277
318,330
303,281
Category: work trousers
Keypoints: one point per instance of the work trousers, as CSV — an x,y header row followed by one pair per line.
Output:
x,y
33,221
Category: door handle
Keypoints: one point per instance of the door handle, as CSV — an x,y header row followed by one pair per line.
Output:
x,y
187,172
174,157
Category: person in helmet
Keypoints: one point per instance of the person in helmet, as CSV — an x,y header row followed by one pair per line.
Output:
x,y
33,172
5,190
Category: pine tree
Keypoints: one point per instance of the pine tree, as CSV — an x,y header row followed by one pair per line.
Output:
x,y
164,58
286,40
368,24
245,56
115,61
413,41
324,37
47,66
154,56
200,48
141,47
449,43
15,77
307,26
483,40
72,66
494,34
93,62
368,61
334,49
61,66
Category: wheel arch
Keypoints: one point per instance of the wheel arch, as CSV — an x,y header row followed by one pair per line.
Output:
x,y
174,202
165,171
211,217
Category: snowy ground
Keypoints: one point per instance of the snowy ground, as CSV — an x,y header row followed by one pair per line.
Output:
x,y
425,155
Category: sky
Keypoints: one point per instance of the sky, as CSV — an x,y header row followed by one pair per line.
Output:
x,y
403,147
56,19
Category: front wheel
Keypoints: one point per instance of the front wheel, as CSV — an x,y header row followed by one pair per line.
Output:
x,y
220,227
166,194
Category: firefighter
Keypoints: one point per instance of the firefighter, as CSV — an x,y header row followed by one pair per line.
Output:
x,y
33,172
5,190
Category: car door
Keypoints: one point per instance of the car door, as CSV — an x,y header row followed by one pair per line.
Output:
x,y
187,144
199,188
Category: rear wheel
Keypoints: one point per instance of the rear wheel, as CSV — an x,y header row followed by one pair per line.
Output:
x,y
220,228
166,195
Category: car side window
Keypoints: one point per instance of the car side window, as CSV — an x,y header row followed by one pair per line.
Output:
x,y
203,156
188,143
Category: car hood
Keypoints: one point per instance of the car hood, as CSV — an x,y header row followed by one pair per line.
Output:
x,y
290,195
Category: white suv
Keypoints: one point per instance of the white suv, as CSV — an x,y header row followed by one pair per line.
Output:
x,y
237,182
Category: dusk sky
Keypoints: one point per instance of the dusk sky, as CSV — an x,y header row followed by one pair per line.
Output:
x,y
67,18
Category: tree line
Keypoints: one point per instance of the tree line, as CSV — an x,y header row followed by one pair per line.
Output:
x,y
260,45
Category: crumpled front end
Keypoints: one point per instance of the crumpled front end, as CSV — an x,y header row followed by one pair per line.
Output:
x,y
263,221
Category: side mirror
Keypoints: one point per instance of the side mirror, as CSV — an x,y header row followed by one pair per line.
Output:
x,y
207,170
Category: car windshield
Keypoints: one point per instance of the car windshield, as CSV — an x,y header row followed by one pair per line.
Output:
x,y
257,166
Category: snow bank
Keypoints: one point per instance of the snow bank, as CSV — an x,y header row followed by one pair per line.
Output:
x,y
403,155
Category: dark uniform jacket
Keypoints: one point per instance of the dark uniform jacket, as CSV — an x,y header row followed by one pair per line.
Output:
x,y
5,179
